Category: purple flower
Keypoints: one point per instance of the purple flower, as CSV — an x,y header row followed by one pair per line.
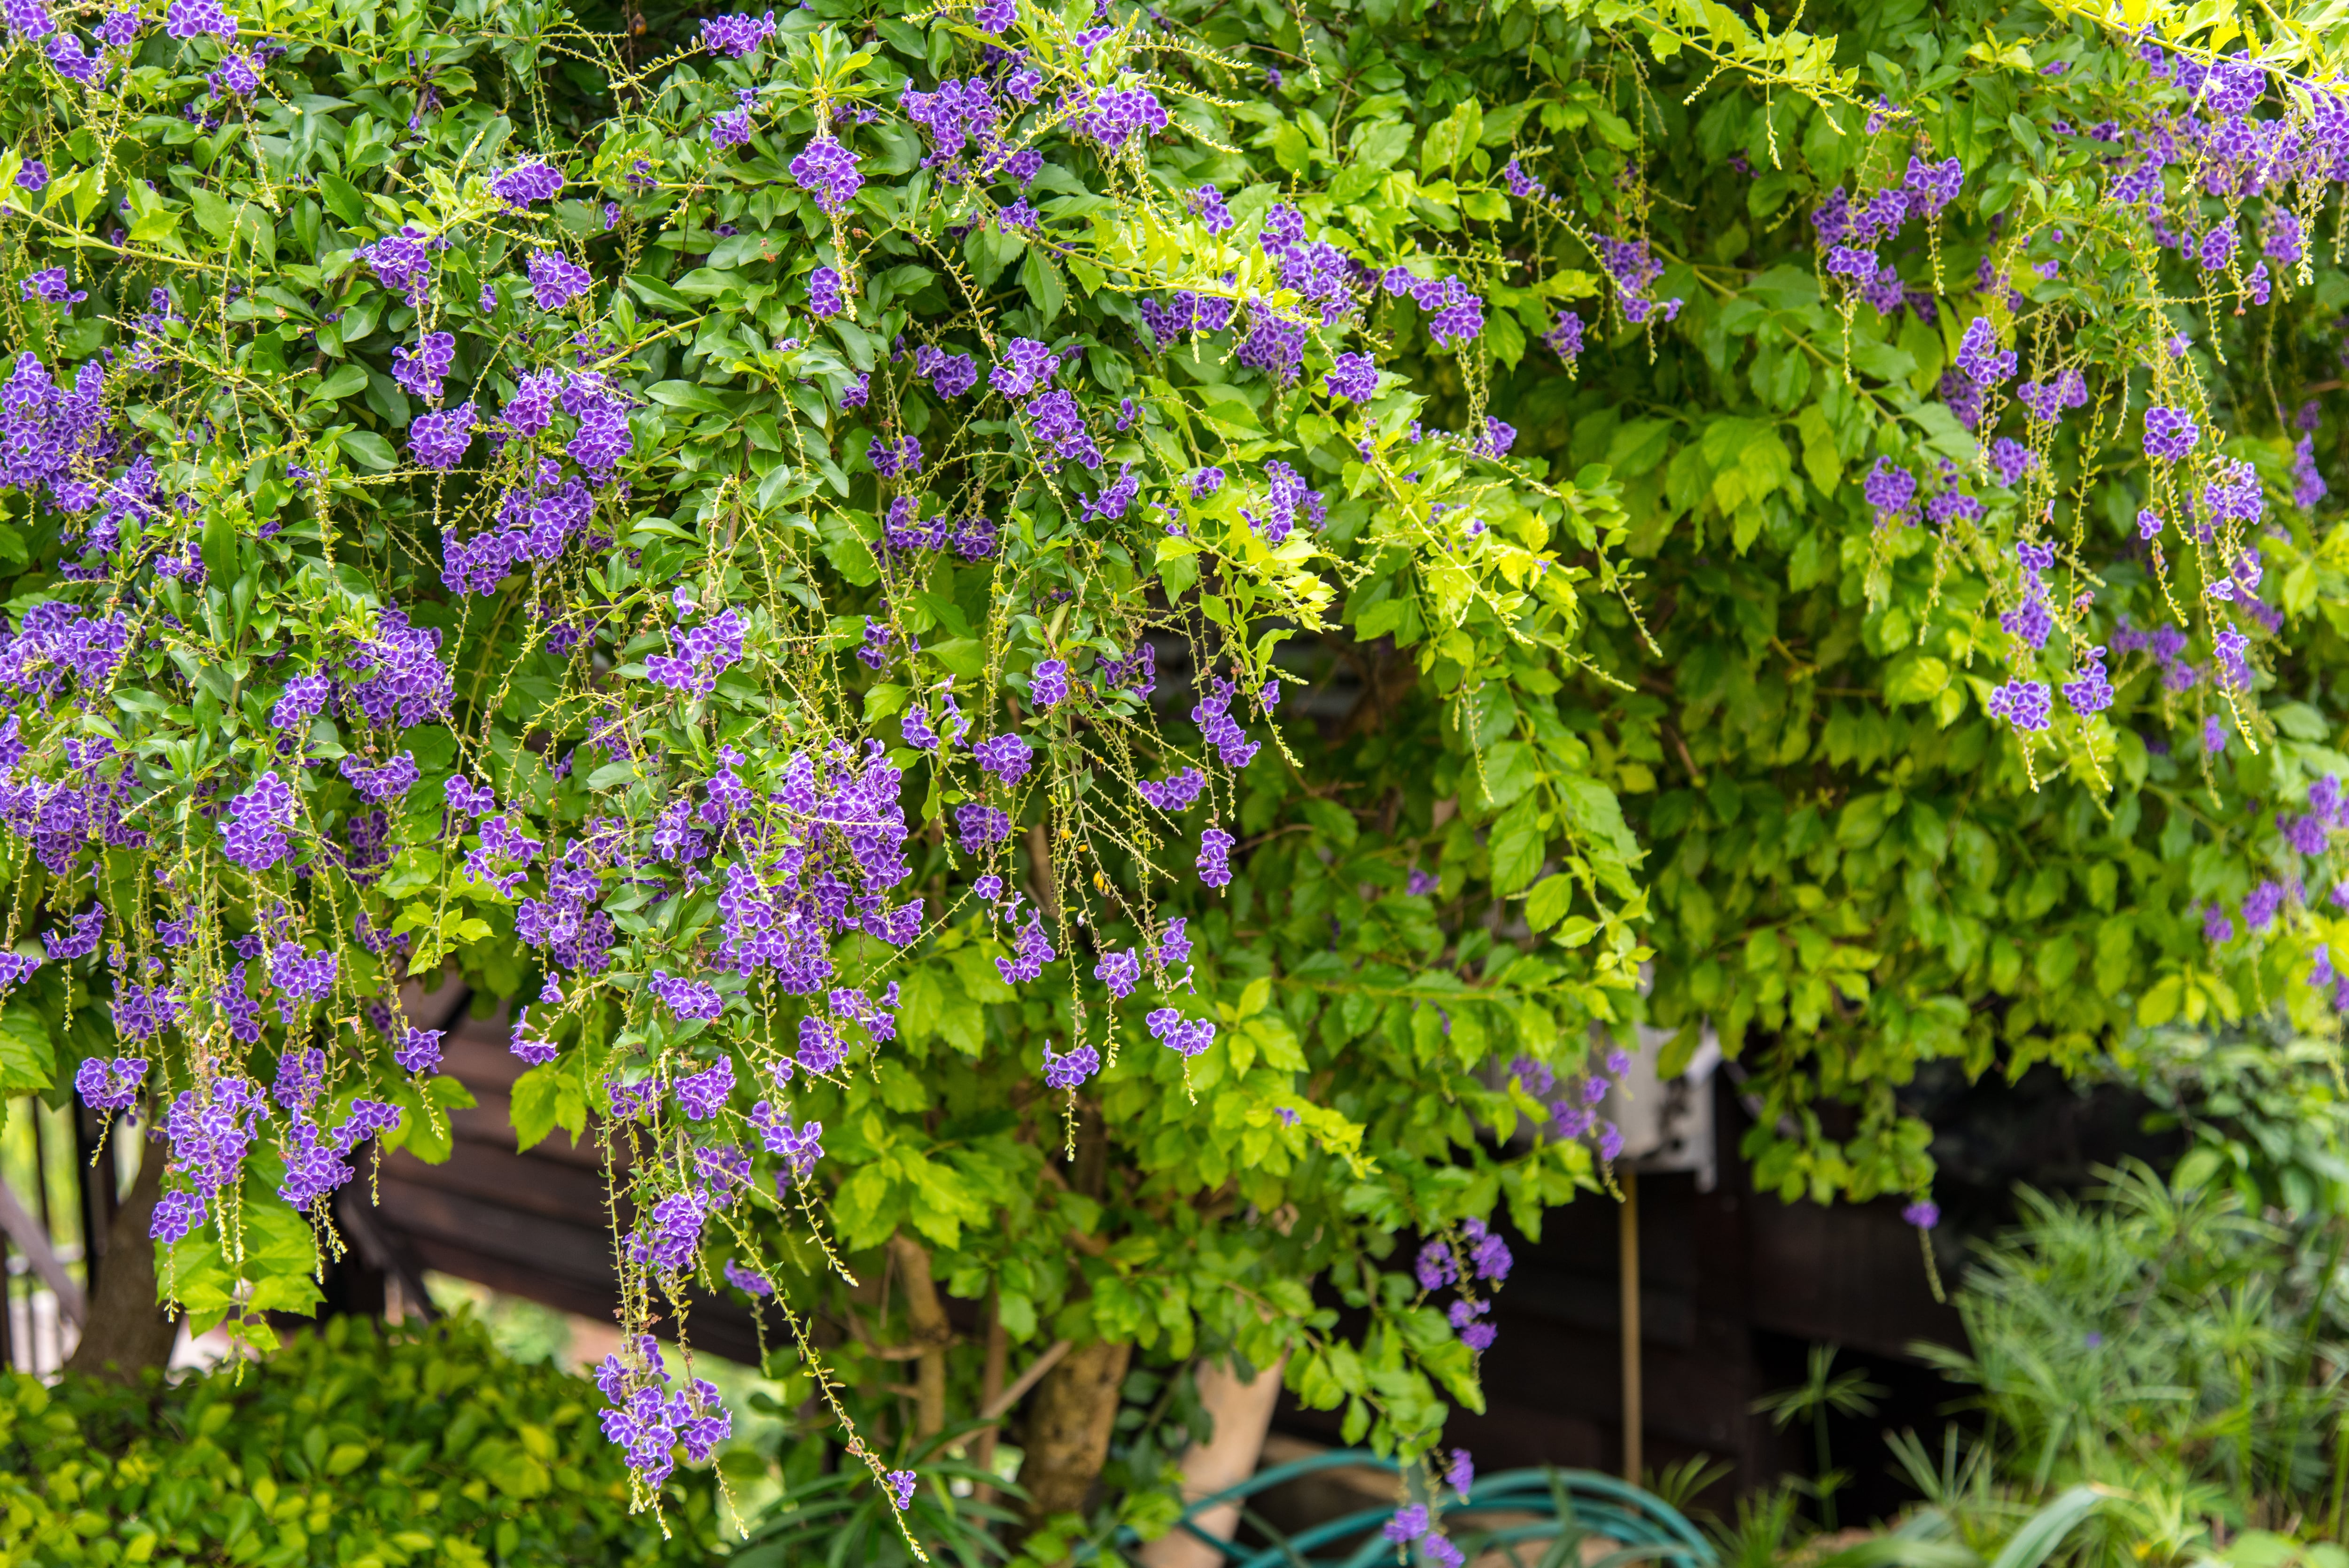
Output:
x,y
419,1050
1409,1523
1923,1213
255,834
1208,204
2011,460
1487,1253
1007,757
555,279
439,440
750,1282
1175,792
1050,682
1069,1072
2023,704
524,183
686,998
703,1095
1120,971
1354,378
111,1084
824,293
2091,692
737,35
190,18
49,283
979,826
1891,490
900,1488
2169,434
1215,848
1186,1037
828,172
1979,356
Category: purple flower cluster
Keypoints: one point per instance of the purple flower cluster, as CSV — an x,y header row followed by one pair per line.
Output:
x,y
684,997
649,1422
2089,692
1187,1036
703,1095
1979,356
703,654
1031,950
1071,1070
111,1084
1219,729
1117,117
1354,378
1006,757
525,183
978,826
2048,399
254,835
828,172
2023,704
1173,793
800,1148
949,375
737,35
1215,848
823,293
402,261
2169,434
555,279
1891,490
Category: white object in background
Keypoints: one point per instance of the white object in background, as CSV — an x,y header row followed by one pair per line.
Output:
x,y
1667,1124
1243,1415
31,1238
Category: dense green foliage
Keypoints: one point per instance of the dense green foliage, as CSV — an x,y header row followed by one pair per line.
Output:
x,y
1660,686
349,1445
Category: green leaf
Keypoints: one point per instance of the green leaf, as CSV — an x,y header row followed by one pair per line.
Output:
x,y
531,1104
1517,842
342,382
28,1057
370,451
1549,900
342,199
1915,678
1042,281
218,545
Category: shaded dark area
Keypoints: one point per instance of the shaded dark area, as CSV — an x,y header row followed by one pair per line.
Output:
x,y
1737,1287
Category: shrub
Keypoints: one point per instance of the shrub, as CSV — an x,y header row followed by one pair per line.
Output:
x,y
350,1446
2162,1341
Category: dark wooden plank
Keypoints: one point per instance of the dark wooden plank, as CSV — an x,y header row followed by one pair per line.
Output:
x,y
570,1251
544,1188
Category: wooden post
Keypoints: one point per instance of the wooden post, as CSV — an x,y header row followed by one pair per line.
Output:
x,y
1628,1261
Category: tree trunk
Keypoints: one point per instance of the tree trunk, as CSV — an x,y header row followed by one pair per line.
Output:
x,y
991,1373
1069,1428
127,1331
927,1317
